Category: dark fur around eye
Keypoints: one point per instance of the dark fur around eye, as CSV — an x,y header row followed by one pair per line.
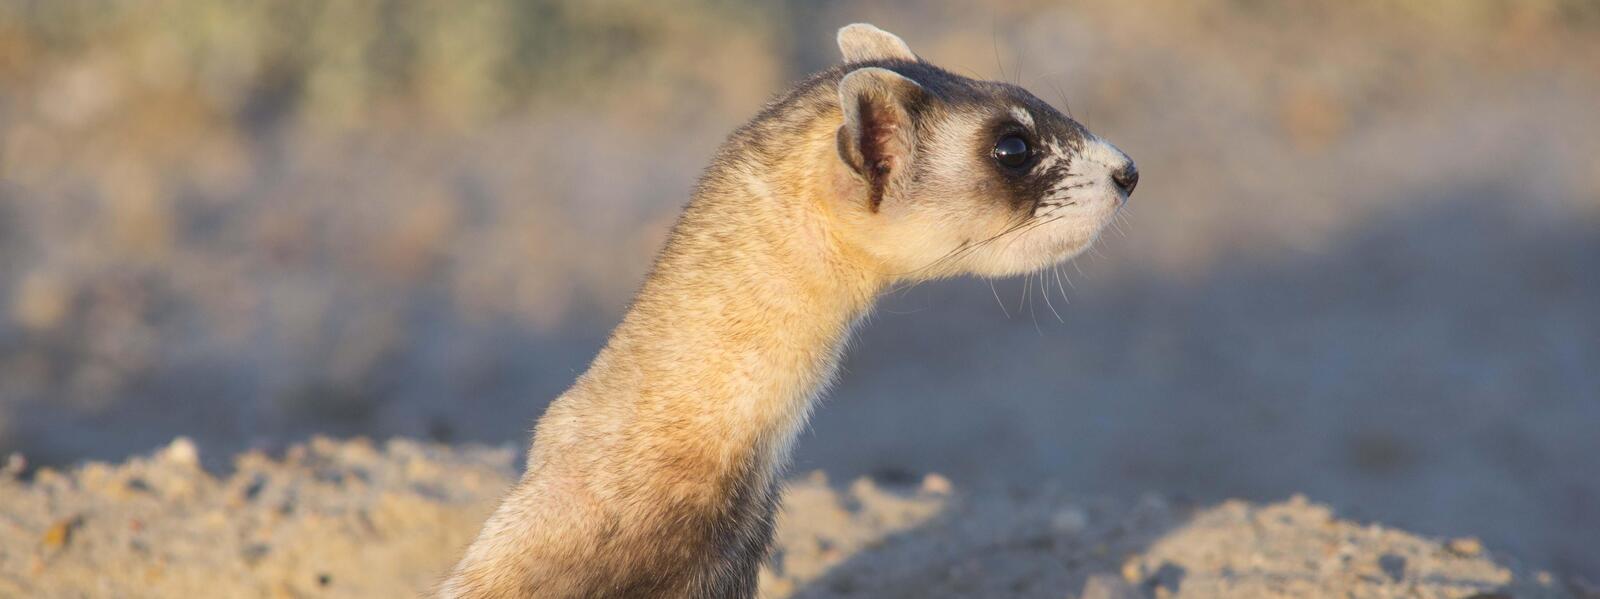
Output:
x,y
1012,151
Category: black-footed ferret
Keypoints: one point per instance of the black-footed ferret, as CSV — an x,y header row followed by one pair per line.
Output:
x,y
657,474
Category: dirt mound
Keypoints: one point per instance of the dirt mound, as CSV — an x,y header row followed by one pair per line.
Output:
x,y
349,519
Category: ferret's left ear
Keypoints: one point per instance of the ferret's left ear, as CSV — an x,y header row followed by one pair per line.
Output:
x,y
878,139
861,42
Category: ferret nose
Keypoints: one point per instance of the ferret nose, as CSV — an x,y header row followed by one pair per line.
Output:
x,y
1126,178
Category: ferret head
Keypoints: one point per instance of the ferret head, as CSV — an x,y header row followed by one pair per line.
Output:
x,y
949,175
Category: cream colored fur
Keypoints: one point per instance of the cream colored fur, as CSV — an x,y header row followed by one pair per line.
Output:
x,y
688,413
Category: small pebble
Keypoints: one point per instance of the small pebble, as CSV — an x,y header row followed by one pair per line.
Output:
x,y
936,484
1104,586
1465,546
182,451
1131,571
60,533
15,465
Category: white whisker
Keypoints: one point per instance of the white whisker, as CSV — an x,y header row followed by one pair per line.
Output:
x,y
1046,294
997,301
1027,283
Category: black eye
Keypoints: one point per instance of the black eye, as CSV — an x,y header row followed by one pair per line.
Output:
x,y
1011,151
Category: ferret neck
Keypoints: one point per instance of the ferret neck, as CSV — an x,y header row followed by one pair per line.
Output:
x,y
743,319
674,438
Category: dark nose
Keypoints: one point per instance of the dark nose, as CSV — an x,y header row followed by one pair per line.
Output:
x,y
1126,178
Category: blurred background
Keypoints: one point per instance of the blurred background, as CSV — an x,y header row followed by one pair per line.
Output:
x,y
1363,264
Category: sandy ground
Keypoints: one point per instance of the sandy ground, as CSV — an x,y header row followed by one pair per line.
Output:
x,y
351,519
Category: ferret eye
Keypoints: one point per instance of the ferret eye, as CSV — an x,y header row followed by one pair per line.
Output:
x,y
1012,151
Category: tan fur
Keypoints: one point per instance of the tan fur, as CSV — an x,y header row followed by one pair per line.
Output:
x,y
861,42
667,451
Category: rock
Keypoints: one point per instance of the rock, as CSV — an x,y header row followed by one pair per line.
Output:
x,y
936,484
60,533
56,536
15,465
1465,546
181,452
1132,570
1106,586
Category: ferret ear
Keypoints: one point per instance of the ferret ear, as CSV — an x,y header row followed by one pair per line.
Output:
x,y
878,139
861,42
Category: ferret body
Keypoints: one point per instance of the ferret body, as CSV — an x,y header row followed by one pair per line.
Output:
x,y
657,473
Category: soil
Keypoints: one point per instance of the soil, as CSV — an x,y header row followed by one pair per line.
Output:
x,y
354,519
